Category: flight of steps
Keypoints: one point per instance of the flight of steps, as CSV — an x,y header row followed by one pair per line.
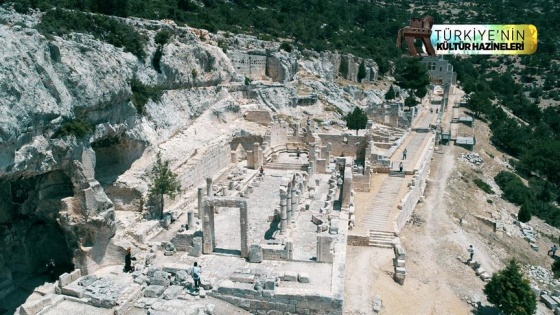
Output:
x,y
286,166
382,239
397,173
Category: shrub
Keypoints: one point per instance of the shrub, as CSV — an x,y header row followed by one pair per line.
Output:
x,y
510,292
141,94
162,37
286,46
77,127
483,185
525,213
105,28
512,186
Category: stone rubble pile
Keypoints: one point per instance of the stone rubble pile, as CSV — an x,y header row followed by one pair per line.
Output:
x,y
541,275
472,158
528,234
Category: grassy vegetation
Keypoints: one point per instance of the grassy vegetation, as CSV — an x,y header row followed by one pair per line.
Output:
x,y
111,30
77,127
483,185
141,94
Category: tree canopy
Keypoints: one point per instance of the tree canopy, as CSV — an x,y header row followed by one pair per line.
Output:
x,y
390,95
163,182
510,292
411,74
356,120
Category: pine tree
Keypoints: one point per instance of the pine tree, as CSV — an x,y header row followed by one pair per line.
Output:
x,y
356,120
163,182
390,95
510,292
410,101
524,214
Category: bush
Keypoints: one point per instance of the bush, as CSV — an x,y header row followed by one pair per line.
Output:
x,y
483,185
286,46
108,29
512,186
162,37
556,269
510,292
525,213
141,94
77,127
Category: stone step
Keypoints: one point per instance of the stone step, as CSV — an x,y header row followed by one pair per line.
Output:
x,y
378,232
286,166
381,244
397,173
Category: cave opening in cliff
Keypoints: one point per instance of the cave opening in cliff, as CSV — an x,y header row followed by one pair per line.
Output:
x,y
114,156
30,233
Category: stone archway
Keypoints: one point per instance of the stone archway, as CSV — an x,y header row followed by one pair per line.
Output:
x,y
208,228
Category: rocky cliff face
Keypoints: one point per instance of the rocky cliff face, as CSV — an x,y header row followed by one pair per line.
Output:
x,y
59,186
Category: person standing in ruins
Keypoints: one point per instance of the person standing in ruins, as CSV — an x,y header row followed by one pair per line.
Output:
x,y
404,154
471,251
128,260
196,275
553,250
298,152
400,167
261,171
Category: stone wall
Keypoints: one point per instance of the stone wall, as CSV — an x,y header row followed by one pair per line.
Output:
x,y
262,117
204,164
278,134
277,252
417,187
361,182
295,301
354,146
249,64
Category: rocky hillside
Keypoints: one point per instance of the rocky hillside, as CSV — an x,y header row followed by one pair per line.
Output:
x,y
82,119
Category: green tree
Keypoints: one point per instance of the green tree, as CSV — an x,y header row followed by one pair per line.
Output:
x,y
163,181
479,103
510,292
410,101
411,74
356,120
361,71
390,95
556,268
525,213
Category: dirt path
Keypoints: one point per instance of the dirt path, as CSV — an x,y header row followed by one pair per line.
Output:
x,y
432,267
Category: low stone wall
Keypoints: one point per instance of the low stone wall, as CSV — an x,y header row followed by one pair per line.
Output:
x,y
417,187
357,240
295,301
277,252
262,117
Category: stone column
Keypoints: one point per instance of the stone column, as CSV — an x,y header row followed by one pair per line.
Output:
x,y
293,199
328,155
311,169
207,239
289,205
200,209
297,128
209,187
256,155
244,227
283,211
234,157
190,220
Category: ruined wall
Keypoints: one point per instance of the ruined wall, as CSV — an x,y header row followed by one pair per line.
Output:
x,y
250,64
350,145
418,186
262,117
279,134
205,164
358,240
361,182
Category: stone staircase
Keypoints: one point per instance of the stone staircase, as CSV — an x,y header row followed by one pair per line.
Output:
x,y
397,174
286,166
377,214
382,239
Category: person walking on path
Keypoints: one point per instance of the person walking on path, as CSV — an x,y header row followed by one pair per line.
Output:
x,y
404,154
196,275
261,170
298,152
471,251
400,167
553,250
